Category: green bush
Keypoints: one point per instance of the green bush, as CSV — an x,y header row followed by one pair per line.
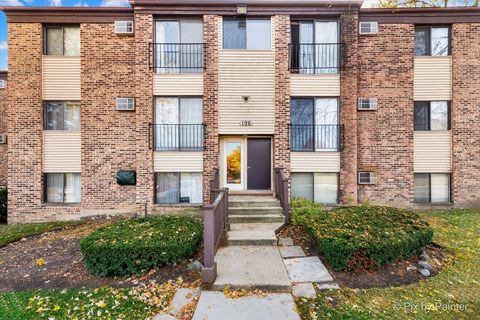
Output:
x,y
357,237
3,205
135,246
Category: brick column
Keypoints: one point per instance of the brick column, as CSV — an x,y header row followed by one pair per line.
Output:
x,y
144,108
210,100
465,115
25,128
281,141
3,129
348,107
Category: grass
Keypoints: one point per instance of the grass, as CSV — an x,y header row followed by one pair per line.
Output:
x,y
452,294
14,232
101,303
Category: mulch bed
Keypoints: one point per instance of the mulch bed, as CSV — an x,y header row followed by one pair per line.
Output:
x,y
395,274
64,267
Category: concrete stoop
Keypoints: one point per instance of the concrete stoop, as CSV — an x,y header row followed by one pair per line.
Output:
x,y
253,234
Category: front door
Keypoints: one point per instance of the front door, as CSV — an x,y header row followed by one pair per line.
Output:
x,y
234,176
259,161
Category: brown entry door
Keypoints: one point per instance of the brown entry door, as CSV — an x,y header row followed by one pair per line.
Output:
x,y
259,173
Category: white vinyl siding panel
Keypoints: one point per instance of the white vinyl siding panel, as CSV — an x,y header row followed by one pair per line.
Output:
x,y
432,78
61,151
246,73
178,161
61,78
315,161
181,84
315,85
432,151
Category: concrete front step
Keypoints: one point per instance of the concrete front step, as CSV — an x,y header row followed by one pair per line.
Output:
x,y
251,238
256,203
256,218
254,210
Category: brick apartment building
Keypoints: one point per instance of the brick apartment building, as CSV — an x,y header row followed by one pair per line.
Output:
x,y
120,110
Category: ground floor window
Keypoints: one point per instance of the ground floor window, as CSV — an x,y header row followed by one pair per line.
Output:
x,y
62,187
432,187
321,187
179,187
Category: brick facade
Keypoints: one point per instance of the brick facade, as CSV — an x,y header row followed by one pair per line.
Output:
x,y
3,129
348,107
210,101
281,141
385,136
465,115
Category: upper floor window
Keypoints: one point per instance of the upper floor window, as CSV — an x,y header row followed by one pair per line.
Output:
x,y
62,115
432,115
314,124
178,46
432,41
250,34
315,47
62,40
178,123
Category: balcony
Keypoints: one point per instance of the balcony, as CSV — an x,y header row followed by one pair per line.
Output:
x,y
315,137
315,58
178,137
177,57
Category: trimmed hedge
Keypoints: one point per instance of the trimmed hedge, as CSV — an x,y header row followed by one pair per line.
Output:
x,y
364,236
3,205
136,246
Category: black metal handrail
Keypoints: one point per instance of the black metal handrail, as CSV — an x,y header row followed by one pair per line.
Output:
x,y
315,57
306,137
178,137
177,57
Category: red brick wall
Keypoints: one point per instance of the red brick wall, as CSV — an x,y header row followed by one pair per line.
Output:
x,y
210,100
385,136
281,141
108,135
3,129
144,108
465,114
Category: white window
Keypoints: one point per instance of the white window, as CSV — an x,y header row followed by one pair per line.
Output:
x,y
3,84
62,187
432,187
366,178
367,103
370,27
124,27
125,104
179,187
250,34
321,187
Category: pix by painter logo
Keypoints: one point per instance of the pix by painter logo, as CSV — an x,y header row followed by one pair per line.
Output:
x,y
429,306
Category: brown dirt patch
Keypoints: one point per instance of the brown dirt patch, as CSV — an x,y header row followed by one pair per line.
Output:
x,y
64,268
401,272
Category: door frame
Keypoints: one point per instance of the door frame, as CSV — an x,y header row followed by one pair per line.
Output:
x,y
244,165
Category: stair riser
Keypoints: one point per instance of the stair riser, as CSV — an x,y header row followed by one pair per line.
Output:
x,y
257,219
259,242
254,211
245,204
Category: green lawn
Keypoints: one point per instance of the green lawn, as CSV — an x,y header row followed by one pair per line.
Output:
x,y
14,232
75,304
445,296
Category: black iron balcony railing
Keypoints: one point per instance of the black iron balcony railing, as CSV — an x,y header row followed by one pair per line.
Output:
x,y
178,137
177,57
310,58
305,137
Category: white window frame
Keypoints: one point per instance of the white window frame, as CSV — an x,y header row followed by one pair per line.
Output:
x,y
124,27
370,103
372,179
371,25
125,104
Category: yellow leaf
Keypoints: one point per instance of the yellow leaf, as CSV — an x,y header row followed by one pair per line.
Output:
x,y
40,262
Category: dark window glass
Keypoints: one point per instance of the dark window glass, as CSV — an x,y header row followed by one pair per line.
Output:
x,y
62,115
421,116
168,187
302,130
422,187
175,187
62,40
234,33
422,41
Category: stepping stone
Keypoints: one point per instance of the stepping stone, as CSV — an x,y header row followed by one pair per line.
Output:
x,y
182,298
307,269
326,286
273,306
250,266
285,242
304,290
164,316
291,252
